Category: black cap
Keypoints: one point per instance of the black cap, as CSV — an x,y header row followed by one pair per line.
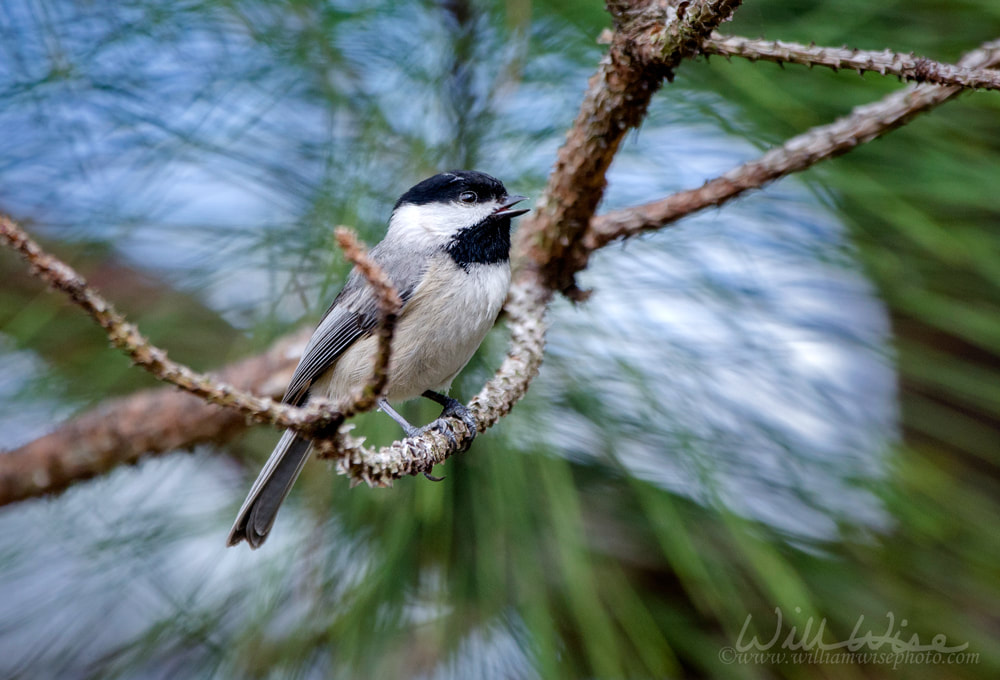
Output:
x,y
446,187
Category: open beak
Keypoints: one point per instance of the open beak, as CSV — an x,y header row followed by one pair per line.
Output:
x,y
505,209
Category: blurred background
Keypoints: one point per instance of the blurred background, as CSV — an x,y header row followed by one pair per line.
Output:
x,y
789,406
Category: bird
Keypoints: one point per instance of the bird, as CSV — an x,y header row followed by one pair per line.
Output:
x,y
447,252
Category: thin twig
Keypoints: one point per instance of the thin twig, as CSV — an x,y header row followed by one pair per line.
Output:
x,y
389,305
126,337
864,124
884,62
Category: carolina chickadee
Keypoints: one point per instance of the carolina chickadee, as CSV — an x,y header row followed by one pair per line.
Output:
x,y
447,252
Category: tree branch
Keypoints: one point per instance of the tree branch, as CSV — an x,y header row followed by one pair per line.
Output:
x,y
864,124
648,43
126,337
149,422
884,62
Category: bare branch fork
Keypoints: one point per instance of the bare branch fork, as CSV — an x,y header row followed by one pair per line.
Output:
x,y
650,40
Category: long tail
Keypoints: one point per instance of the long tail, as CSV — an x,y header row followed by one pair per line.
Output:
x,y
257,515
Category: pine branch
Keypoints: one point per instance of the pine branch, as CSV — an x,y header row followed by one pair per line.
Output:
x,y
648,43
884,62
864,124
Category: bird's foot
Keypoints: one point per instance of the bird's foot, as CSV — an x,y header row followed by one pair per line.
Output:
x,y
440,426
453,408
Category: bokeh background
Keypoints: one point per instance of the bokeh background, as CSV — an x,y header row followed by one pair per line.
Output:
x,y
791,404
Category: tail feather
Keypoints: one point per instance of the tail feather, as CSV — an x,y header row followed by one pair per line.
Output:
x,y
259,510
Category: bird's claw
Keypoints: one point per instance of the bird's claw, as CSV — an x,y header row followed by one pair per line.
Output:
x,y
452,409
456,409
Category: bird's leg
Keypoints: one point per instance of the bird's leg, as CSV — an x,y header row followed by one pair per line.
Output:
x,y
403,422
410,430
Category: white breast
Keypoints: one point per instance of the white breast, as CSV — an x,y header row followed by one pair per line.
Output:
x,y
440,329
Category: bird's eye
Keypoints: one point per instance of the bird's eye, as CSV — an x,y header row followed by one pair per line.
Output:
x,y
468,197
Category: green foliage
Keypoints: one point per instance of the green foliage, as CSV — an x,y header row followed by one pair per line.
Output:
x,y
664,479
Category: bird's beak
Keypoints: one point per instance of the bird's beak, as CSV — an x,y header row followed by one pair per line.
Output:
x,y
505,209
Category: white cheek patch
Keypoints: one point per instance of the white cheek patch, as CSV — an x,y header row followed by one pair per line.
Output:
x,y
435,223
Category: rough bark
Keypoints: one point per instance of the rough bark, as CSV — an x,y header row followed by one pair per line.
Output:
x,y
649,41
150,422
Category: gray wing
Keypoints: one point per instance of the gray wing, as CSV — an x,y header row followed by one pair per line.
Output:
x,y
353,314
